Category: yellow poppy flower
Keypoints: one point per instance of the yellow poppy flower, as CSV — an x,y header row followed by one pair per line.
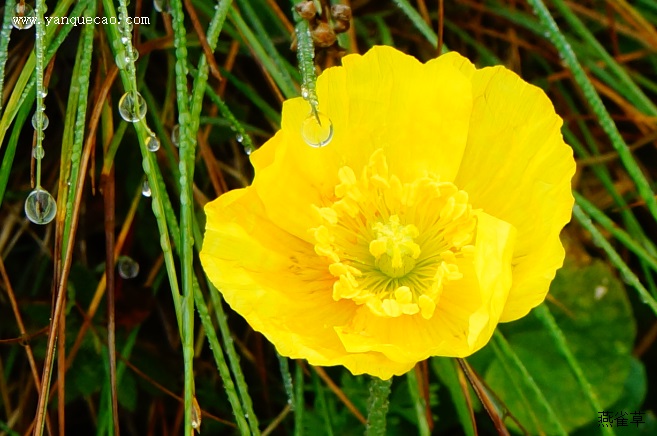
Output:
x,y
432,215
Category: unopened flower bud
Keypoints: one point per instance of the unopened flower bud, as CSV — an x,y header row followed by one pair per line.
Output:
x,y
306,10
323,35
341,13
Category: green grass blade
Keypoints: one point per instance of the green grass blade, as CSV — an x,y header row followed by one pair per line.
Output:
x,y
606,122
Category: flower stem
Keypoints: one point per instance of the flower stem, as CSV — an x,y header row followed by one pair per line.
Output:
x,y
377,406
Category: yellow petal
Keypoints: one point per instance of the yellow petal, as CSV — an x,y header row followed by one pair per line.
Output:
x,y
517,167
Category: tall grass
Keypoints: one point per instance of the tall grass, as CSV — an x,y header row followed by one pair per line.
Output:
x,y
86,349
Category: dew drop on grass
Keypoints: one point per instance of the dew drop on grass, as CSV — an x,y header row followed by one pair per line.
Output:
x,y
38,152
132,107
35,120
317,131
146,189
128,268
175,135
40,206
239,137
152,143
162,5
24,16
120,60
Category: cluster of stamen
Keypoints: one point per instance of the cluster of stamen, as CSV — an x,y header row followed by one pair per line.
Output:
x,y
391,245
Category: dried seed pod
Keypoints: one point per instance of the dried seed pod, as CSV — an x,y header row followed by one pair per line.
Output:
x,y
341,13
341,26
306,10
323,35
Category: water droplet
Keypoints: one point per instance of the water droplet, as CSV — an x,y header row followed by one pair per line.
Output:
x,y
40,206
43,93
35,119
128,268
317,134
133,57
162,6
24,16
175,135
132,107
146,189
239,137
38,152
249,150
121,60
152,143
304,93
124,40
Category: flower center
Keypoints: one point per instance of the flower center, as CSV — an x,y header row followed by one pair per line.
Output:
x,y
393,245
394,249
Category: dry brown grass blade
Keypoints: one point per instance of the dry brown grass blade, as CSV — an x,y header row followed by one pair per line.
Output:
x,y
647,31
108,186
441,25
270,80
198,28
463,382
23,332
498,420
338,393
61,373
422,375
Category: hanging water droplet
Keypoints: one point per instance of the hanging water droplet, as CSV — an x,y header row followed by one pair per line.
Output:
x,y
304,92
38,152
161,5
239,137
40,206
43,93
317,131
24,16
249,150
132,107
124,40
120,60
152,143
146,189
35,120
128,268
131,56
175,135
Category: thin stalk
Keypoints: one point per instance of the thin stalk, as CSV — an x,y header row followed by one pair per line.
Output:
x,y
377,407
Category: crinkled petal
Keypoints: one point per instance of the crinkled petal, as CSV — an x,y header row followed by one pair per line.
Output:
x,y
517,167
